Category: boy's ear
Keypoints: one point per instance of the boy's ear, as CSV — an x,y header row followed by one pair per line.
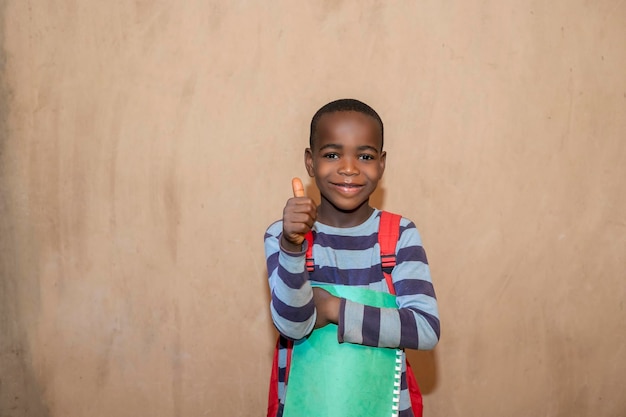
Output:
x,y
308,162
382,161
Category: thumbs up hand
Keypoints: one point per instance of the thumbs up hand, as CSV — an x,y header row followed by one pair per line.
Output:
x,y
297,187
298,217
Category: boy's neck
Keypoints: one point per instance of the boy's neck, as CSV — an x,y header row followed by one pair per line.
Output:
x,y
332,216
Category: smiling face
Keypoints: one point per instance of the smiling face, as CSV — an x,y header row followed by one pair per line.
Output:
x,y
347,161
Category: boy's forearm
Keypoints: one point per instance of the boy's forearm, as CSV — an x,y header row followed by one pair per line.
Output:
x,y
387,327
290,329
292,305
293,310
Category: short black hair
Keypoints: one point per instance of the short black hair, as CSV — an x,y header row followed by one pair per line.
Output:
x,y
346,104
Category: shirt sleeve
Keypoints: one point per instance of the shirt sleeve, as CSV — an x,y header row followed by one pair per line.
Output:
x,y
292,307
415,323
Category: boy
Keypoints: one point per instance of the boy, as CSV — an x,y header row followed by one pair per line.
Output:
x,y
346,159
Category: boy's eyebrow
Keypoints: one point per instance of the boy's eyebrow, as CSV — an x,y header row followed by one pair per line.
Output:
x,y
360,148
367,148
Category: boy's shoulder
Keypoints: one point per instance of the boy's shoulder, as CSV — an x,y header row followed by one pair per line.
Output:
x,y
404,221
409,234
274,229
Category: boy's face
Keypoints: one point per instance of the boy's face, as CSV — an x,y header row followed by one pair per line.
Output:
x,y
346,159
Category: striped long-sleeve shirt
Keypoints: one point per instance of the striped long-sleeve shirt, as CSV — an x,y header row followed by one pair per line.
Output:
x,y
351,256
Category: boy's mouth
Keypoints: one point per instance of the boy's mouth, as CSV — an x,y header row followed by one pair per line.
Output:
x,y
347,187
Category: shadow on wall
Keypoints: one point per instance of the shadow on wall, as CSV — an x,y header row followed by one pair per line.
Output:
x,y
424,365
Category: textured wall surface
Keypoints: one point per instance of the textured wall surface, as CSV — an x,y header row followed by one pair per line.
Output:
x,y
145,146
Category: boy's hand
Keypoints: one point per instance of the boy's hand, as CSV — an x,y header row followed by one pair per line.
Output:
x,y
327,306
298,217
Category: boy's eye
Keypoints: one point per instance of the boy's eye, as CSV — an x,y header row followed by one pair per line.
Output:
x,y
331,155
366,157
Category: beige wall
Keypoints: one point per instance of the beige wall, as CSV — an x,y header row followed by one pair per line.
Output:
x,y
146,145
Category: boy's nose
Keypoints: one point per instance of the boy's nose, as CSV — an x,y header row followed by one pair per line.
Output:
x,y
349,167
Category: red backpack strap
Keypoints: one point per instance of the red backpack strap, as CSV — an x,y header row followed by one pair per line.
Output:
x,y
415,394
310,263
272,399
388,234
273,402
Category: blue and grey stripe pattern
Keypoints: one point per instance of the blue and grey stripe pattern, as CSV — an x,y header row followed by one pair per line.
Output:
x,y
351,256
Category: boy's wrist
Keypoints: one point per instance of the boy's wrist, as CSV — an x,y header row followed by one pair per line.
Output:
x,y
289,247
340,321
333,309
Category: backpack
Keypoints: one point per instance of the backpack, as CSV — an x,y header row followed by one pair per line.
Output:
x,y
388,234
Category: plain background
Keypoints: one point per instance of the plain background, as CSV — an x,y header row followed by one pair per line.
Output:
x,y
146,145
